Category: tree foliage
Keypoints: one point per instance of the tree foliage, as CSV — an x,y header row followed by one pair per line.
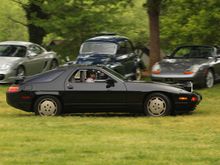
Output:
x,y
190,22
12,21
75,21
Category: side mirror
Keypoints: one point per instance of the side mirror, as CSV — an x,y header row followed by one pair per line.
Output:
x,y
31,54
110,83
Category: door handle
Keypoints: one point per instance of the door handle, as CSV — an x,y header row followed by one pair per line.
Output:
x,y
69,86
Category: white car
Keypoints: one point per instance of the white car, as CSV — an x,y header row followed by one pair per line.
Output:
x,y
18,58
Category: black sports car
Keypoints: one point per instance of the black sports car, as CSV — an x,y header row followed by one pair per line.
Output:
x,y
95,89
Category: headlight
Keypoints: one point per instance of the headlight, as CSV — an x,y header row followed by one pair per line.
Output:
x,y
193,69
5,67
156,69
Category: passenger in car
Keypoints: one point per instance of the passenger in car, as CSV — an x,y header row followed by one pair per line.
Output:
x,y
91,77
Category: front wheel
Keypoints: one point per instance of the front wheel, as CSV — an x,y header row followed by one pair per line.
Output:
x,y
47,106
20,71
138,74
209,79
157,104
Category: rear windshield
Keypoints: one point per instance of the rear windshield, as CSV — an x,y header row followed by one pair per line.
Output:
x,y
47,76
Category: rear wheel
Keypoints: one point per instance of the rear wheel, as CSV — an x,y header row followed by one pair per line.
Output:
x,y
157,104
47,106
209,79
54,64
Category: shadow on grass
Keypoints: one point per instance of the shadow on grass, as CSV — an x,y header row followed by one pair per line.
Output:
x,y
105,115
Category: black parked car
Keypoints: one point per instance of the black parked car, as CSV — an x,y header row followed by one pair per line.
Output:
x,y
94,89
197,63
115,52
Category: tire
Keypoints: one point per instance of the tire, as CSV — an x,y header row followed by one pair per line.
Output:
x,y
157,105
209,79
20,71
138,74
47,106
54,64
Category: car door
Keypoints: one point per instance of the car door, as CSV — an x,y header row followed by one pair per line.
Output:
x,y
35,62
93,96
126,56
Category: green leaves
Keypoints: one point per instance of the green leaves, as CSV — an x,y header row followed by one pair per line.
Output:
x,y
190,22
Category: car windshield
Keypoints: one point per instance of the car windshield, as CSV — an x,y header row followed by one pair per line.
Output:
x,y
98,48
193,52
116,74
12,51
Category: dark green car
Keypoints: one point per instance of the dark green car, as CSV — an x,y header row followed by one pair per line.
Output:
x,y
113,51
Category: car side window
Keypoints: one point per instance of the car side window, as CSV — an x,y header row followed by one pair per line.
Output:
x,y
35,49
129,47
122,48
88,76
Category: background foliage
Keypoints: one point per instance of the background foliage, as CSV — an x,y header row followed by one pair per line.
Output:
x,y
190,22
182,21
9,30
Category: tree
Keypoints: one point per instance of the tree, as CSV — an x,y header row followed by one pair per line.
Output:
x,y
190,22
75,21
153,9
9,29
34,11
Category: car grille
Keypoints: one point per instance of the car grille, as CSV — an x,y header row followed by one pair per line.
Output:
x,y
2,76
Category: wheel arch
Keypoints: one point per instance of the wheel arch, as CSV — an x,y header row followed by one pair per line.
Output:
x,y
37,96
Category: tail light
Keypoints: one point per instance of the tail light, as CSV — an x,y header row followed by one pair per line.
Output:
x,y
194,99
13,89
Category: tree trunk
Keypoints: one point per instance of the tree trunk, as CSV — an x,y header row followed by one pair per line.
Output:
x,y
33,11
154,13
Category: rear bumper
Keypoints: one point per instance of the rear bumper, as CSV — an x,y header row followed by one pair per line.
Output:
x,y
17,100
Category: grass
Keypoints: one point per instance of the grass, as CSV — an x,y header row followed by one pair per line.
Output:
x,y
121,140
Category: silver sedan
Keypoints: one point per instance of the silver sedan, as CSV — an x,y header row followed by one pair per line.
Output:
x,y
19,58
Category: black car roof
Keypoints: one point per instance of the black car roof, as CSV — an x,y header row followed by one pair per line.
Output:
x,y
72,66
107,38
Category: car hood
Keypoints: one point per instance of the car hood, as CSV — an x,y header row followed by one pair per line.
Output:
x,y
9,60
154,86
93,59
180,65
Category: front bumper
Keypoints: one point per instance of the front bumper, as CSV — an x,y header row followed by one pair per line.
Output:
x,y
187,105
7,76
179,78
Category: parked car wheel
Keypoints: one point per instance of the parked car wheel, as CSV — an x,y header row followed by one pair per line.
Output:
x,y
20,71
157,104
209,79
138,74
54,64
47,106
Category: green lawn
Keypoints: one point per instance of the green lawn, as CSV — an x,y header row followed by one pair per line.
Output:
x,y
102,140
